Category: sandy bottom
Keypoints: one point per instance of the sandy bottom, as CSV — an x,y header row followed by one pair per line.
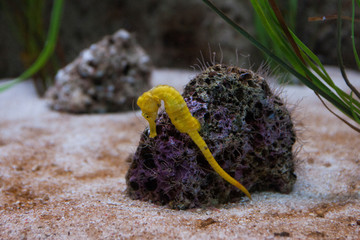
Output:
x,y
62,176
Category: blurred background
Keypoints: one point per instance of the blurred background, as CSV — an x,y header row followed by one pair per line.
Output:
x,y
172,32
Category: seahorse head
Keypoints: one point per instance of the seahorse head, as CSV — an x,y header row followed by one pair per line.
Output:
x,y
149,106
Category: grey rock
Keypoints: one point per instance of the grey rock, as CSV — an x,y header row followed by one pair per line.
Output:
x,y
106,77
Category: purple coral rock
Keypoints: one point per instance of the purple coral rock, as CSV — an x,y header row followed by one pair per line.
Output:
x,y
246,127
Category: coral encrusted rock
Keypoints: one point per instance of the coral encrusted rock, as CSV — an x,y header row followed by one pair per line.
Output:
x,y
107,77
247,128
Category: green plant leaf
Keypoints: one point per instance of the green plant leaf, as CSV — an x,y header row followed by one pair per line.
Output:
x,y
296,63
47,50
353,33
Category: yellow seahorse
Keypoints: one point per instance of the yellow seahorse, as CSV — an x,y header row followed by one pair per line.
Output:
x,y
180,116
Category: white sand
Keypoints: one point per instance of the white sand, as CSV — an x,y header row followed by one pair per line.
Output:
x,y
62,176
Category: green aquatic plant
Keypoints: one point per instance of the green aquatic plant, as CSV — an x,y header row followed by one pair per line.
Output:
x,y
33,16
291,7
296,58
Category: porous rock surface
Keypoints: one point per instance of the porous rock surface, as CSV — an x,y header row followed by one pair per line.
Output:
x,y
107,77
246,127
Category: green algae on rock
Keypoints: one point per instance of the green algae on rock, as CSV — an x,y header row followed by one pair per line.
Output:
x,y
246,127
